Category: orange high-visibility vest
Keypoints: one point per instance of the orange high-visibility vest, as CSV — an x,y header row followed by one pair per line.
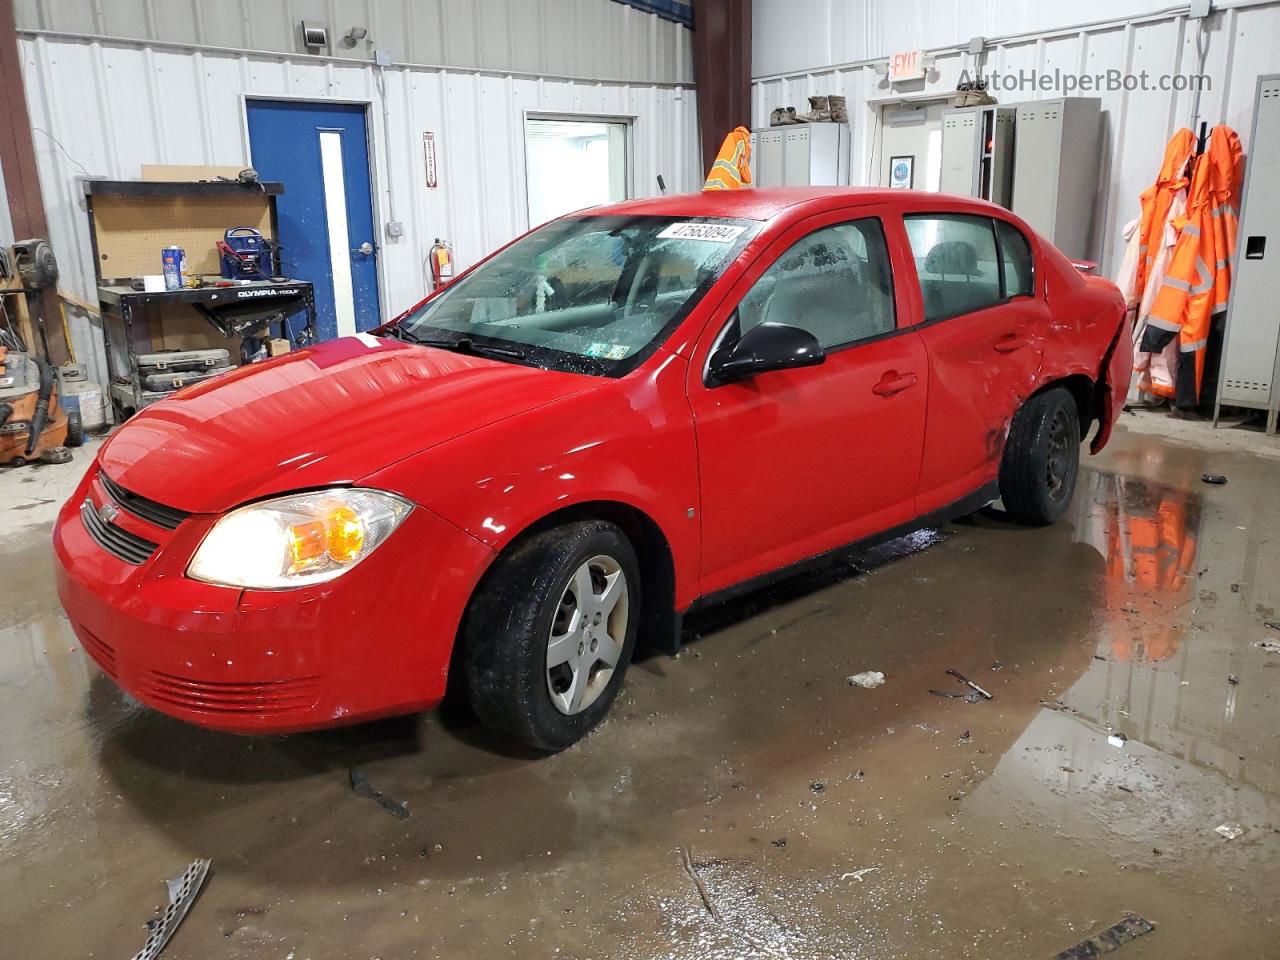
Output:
x,y
1158,197
732,167
1198,281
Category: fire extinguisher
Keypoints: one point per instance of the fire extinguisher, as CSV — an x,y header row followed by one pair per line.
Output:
x,y
441,257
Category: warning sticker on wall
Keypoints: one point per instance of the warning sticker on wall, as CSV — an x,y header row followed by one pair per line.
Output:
x,y
712,232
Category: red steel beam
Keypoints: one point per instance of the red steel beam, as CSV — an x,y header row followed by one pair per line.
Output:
x,y
722,69
21,178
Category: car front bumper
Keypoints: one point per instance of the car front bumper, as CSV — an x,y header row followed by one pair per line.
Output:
x,y
374,642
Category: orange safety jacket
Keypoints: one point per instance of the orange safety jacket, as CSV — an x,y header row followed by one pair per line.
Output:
x,y
1198,281
1151,239
1158,198
732,167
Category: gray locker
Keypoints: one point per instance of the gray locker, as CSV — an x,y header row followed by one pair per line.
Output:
x,y
1057,157
1250,374
959,152
977,153
800,155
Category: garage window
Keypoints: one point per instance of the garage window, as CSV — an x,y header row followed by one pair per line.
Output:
x,y
835,283
956,263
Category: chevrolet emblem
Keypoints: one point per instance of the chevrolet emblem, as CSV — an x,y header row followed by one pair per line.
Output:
x,y
108,512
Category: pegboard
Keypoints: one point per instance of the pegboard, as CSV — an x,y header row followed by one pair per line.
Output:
x,y
130,231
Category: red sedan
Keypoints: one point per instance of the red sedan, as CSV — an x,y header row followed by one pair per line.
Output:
x,y
625,413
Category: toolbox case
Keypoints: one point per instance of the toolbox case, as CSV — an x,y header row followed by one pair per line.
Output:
x,y
170,361
169,381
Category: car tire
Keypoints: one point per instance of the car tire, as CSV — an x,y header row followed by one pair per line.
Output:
x,y
536,656
1041,458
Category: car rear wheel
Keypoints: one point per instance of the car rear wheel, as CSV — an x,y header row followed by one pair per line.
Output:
x,y
550,632
1041,458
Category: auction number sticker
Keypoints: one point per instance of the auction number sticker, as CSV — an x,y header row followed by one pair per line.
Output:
x,y
713,232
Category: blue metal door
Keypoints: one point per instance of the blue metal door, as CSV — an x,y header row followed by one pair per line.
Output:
x,y
320,151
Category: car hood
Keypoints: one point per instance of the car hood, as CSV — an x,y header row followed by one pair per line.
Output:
x,y
330,414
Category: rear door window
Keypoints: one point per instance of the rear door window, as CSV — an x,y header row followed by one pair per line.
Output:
x,y
957,263
1015,257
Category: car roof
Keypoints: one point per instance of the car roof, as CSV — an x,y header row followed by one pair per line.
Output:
x,y
765,203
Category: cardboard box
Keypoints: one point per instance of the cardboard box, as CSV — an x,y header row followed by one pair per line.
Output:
x,y
277,346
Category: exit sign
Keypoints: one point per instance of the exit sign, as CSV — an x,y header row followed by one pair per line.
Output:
x,y
908,65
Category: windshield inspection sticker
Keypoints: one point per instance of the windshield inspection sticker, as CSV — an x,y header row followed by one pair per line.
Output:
x,y
713,232
607,351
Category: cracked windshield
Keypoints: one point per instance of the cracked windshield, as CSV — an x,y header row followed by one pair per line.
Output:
x,y
600,289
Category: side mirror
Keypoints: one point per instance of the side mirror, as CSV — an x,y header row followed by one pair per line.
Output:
x,y
765,347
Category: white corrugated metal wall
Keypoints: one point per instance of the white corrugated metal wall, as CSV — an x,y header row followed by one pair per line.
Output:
x,y
584,38
104,108
1242,40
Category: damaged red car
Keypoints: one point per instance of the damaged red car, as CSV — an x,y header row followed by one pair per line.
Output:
x,y
626,413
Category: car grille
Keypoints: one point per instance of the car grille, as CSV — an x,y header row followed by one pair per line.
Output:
x,y
100,650
158,514
117,541
272,698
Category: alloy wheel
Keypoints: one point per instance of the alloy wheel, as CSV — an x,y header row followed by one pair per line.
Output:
x,y
587,634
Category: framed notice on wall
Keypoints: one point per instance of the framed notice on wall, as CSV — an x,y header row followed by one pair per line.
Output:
x,y
902,172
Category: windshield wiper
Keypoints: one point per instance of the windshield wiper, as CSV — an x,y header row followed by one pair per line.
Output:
x,y
465,345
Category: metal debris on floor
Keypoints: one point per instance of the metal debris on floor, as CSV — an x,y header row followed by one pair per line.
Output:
x,y
691,869
363,788
1130,928
859,874
975,693
1216,479
1229,831
182,893
867,680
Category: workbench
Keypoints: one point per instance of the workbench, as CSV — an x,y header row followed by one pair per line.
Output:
x,y
233,311
131,221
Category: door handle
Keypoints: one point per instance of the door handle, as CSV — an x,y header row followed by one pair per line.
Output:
x,y
1010,343
893,382
364,249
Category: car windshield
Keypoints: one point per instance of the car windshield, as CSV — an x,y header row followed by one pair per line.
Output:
x,y
594,294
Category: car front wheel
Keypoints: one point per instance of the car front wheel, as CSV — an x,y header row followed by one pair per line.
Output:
x,y
1041,458
550,632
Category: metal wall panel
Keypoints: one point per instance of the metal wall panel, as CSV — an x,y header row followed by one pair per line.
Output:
x,y
572,38
115,106
1242,38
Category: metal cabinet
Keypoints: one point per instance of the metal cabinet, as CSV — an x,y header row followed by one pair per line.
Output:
x,y
977,153
1057,157
1250,374
800,155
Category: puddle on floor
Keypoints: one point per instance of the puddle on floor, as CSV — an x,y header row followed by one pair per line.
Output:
x,y
822,819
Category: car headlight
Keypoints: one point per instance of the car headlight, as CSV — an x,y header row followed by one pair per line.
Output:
x,y
297,540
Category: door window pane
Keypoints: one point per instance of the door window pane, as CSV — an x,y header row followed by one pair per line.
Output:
x,y
572,164
1015,252
835,283
956,263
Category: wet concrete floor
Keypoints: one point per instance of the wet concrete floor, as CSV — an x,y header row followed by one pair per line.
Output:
x,y
823,819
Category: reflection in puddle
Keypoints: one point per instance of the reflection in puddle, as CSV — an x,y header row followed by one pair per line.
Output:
x,y
1147,533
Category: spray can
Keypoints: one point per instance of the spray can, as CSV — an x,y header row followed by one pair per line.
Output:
x,y
174,263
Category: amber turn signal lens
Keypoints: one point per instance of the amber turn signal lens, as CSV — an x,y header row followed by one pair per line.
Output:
x,y
339,536
345,534
306,544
